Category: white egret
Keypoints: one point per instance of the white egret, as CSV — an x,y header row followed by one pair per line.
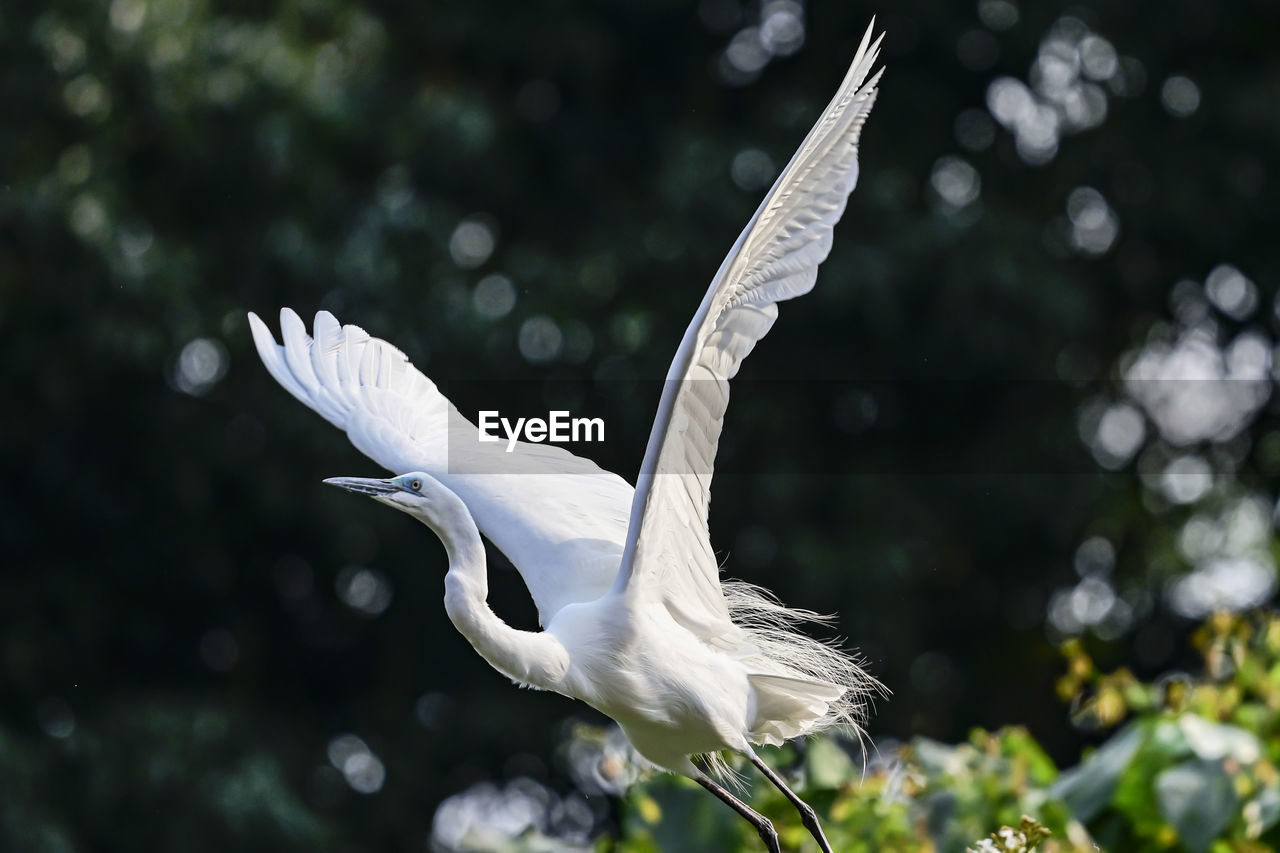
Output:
x,y
636,619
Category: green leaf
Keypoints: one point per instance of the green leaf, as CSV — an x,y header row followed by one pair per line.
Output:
x,y
1017,743
1212,741
1088,788
676,815
827,765
934,756
1197,798
1268,808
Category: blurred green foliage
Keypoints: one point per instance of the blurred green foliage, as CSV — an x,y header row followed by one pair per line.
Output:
x,y
188,762
1194,768
179,650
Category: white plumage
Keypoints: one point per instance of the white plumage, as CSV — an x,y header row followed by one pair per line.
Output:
x,y
563,529
637,621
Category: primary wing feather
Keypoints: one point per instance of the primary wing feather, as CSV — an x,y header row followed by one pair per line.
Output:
x,y
668,550
559,518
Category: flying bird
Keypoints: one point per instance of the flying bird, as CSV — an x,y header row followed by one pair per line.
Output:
x,y
636,620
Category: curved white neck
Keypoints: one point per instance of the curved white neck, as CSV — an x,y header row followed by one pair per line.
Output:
x,y
530,658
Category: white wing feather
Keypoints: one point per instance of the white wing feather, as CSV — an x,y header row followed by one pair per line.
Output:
x,y
559,518
668,550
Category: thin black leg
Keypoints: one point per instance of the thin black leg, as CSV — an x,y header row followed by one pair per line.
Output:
x,y
768,834
807,815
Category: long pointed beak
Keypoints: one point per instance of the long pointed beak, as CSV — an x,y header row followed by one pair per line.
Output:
x,y
364,485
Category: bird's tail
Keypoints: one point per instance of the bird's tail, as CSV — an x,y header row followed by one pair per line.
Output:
x,y
803,686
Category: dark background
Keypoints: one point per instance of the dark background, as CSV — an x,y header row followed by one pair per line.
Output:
x,y
182,632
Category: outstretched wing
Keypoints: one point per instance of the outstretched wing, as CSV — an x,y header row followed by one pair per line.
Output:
x,y
559,518
668,549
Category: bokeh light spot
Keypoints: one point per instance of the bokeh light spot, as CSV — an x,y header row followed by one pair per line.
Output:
x,y
1094,225
87,217
86,97
75,164
1186,479
494,297
1121,431
540,339
1098,58
746,52
202,363
363,590
472,243
1095,556
1230,292
752,169
363,771
127,15
55,718
782,27
1180,96
955,181
998,15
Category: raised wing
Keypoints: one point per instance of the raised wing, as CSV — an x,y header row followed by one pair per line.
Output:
x,y
559,518
668,549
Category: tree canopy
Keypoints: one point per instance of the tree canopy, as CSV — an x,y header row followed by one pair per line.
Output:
x,y
1029,400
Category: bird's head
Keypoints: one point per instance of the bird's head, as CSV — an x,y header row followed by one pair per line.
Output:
x,y
419,494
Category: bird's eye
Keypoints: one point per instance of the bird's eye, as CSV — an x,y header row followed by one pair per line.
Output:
x,y
416,485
